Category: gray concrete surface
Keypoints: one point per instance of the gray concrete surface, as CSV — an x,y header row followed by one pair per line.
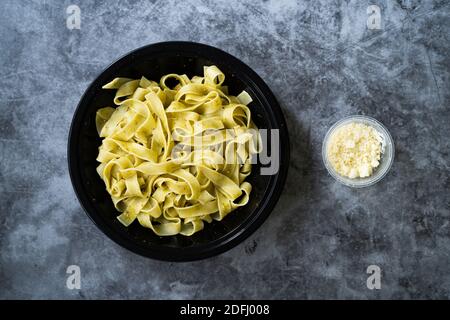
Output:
x,y
322,63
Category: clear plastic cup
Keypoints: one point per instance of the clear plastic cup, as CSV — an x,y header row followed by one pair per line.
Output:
x,y
387,155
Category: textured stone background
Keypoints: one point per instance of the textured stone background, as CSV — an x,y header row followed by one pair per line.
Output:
x,y
323,64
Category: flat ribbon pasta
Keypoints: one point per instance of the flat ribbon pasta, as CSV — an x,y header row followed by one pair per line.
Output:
x,y
174,157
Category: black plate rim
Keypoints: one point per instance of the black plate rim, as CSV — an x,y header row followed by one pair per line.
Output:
x,y
229,240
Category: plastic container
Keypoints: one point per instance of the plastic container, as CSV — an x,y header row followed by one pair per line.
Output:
x,y
153,61
387,155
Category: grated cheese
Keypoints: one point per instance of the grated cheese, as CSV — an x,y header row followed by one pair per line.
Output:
x,y
354,150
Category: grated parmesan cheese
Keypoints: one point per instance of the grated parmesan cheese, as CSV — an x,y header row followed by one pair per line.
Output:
x,y
354,150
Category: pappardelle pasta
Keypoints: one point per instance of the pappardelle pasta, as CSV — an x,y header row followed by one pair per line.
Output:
x,y
174,157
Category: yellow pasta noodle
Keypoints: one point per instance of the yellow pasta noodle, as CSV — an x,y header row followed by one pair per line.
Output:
x,y
173,158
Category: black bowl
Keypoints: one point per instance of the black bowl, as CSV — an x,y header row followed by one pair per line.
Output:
x,y
153,61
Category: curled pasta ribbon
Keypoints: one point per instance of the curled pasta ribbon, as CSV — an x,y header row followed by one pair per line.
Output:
x,y
175,153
